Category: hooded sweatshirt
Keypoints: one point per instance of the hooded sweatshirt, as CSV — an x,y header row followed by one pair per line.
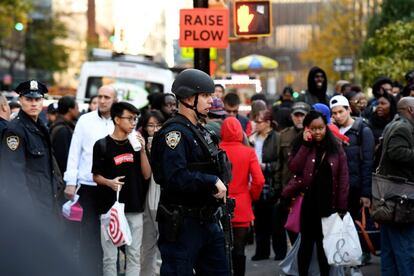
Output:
x,y
314,94
245,169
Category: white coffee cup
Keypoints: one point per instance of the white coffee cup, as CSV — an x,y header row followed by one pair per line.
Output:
x,y
133,139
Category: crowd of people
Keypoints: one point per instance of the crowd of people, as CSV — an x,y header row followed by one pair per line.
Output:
x,y
320,146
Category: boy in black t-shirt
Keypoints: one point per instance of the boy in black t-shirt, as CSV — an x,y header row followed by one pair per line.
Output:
x,y
117,165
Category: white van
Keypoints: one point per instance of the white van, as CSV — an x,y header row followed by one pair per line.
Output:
x,y
134,78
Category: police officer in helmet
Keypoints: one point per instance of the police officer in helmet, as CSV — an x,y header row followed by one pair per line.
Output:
x,y
26,156
191,191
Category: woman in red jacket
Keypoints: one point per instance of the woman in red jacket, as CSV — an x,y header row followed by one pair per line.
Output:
x,y
245,187
320,167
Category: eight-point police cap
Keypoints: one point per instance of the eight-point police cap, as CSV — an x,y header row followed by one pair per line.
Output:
x,y
191,82
31,89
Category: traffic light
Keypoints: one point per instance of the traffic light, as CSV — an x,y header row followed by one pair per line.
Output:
x,y
252,18
19,26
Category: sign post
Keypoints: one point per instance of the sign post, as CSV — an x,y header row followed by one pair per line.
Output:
x,y
343,65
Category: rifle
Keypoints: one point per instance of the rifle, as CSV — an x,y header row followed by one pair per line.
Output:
x,y
227,209
225,220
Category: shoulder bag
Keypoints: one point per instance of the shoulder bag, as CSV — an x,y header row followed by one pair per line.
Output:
x,y
392,199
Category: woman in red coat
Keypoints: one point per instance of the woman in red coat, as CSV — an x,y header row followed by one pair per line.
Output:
x,y
245,187
321,171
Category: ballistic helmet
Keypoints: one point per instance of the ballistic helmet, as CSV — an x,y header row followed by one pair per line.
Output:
x,y
191,82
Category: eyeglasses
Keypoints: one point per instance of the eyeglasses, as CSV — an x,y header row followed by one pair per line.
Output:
x,y
132,120
154,126
316,129
259,121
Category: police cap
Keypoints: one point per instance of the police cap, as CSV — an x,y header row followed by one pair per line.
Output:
x,y
191,82
31,89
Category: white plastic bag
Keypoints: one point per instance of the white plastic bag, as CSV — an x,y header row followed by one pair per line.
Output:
x,y
116,224
340,241
289,265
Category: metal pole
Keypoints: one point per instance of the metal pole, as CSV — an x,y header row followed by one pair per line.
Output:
x,y
201,56
228,49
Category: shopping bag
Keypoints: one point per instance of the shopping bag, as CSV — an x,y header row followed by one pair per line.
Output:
x,y
72,210
340,241
293,220
369,232
116,224
289,265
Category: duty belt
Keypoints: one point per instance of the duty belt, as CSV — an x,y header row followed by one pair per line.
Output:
x,y
208,214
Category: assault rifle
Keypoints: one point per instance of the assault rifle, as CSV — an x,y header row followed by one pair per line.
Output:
x,y
227,209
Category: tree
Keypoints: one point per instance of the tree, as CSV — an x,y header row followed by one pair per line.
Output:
x,y
391,11
13,12
392,52
42,50
341,31
35,43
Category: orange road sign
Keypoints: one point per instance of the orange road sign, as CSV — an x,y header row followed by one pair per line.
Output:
x,y
204,28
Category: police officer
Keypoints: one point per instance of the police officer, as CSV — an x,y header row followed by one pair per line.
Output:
x,y
26,166
191,191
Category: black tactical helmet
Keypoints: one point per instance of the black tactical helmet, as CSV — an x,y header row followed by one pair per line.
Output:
x,y
191,82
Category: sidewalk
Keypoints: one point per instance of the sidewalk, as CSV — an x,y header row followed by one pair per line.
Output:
x,y
270,267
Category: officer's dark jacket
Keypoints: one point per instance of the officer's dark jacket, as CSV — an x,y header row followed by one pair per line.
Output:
x,y
360,156
26,165
398,149
180,182
3,125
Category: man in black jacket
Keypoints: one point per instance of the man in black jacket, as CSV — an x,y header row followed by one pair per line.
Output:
x,y
360,153
62,129
360,156
317,87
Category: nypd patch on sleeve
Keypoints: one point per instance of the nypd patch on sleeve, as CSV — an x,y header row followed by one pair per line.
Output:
x,y
173,138
13,142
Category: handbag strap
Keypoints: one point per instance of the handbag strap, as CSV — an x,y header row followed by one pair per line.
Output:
x,y
362,225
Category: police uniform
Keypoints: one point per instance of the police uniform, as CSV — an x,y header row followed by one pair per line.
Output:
x,y
190,233
26,159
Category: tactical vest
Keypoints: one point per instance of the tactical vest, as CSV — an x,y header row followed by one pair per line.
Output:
x,y
216,162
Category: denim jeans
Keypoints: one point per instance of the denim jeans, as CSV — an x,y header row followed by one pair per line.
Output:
x,y
397,250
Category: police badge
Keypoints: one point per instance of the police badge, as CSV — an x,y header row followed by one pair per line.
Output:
x,y
172,138
13,142
34,85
